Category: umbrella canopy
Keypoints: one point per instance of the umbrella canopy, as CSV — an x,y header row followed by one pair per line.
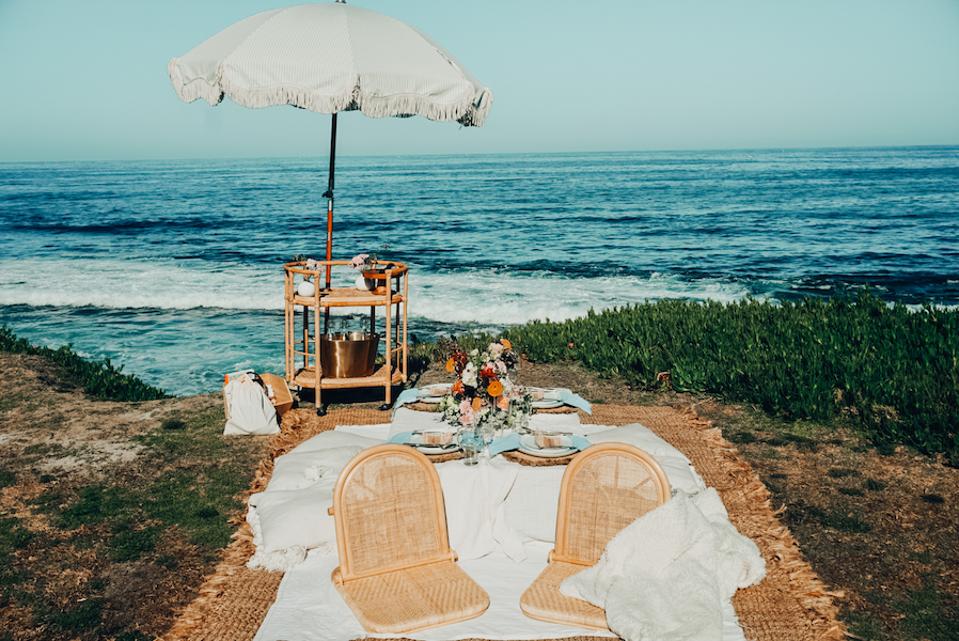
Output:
x,y
330,58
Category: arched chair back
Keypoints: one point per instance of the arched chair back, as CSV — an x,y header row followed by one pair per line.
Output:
x,y
604,489
389,512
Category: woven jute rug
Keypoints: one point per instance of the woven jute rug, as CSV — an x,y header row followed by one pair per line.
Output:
x,y
790,604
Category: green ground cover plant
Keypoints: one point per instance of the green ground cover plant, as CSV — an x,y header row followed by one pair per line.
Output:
x,y
99,379
891,369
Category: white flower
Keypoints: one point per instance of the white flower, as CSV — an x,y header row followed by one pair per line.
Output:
x,y
469,375
495,349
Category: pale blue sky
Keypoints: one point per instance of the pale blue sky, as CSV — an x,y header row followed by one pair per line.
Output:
x,y
87,80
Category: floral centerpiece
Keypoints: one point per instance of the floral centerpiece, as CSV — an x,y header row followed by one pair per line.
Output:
x,y
483,397
359,264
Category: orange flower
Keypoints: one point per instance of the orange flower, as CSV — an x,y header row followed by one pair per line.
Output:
x,y
458,387
494,389
477,403
505,343
503,403
450,365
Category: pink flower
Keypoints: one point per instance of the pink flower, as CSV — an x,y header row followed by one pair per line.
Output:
x,y
359,260
466,412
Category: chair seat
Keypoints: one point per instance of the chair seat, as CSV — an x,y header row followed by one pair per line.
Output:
x,y
414,598
543,600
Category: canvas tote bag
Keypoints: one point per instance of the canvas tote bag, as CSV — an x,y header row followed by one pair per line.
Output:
x,y
250,410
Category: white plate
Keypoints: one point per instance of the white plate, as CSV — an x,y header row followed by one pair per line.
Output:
x,y
547,404
527,445
416,439
434,393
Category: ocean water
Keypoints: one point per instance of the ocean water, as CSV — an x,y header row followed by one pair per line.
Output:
x,y
173,268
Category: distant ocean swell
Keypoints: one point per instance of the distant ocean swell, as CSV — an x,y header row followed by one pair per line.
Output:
x,y
173,268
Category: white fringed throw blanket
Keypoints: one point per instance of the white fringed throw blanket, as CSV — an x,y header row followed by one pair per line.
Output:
x,y
672,572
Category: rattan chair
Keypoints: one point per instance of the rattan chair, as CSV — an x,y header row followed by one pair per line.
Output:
x,y
397,571
604,489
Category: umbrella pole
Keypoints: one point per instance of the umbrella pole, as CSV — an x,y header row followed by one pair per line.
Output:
x,y
329,219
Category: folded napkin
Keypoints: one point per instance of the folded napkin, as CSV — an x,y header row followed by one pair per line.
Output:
x,y
511,442
402,438
407,396
568,397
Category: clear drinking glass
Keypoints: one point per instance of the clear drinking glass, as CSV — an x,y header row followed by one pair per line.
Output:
x,y
487,433
471,442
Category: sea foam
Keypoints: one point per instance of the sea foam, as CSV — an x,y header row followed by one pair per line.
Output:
x,y
449,296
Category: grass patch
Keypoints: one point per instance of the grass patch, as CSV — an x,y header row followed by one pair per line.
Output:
x,y
92,505
844,522
78,620
7,478
930,614
99,379
197,496
799,513
130,543
886,367
852,491
841,472
173,424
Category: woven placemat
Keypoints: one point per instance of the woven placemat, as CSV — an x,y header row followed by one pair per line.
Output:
x,y
537,461
790,604
433,407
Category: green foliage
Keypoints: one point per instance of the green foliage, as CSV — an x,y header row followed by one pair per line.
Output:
x,y
77,620
931,613
891,368
99,379
129,543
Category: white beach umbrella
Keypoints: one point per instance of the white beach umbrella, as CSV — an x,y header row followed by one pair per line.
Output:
x,y
331,58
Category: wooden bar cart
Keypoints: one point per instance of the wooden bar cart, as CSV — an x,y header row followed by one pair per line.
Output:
x,y
388,288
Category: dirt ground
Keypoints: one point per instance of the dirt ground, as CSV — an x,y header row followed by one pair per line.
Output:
x,y
112,513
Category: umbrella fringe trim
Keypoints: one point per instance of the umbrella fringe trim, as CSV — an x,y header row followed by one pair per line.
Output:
x,y
471,111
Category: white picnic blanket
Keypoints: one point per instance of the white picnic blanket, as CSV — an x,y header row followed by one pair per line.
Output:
x,y
308,607
671,573
501,519
493,508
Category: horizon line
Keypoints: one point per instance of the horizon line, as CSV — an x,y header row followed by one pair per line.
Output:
x,y
494,153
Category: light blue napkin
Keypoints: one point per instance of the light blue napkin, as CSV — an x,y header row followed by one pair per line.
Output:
x,y
571,398
504,444
407,396
401,437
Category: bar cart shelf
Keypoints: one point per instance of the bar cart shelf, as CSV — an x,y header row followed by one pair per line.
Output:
x,y
389,290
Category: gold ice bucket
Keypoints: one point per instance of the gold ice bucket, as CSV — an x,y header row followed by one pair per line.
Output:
x,y
348,354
